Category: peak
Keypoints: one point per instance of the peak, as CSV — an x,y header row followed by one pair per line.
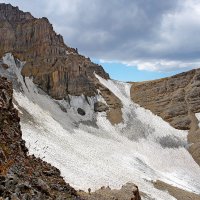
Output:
x,y
12,13
56,68
7,6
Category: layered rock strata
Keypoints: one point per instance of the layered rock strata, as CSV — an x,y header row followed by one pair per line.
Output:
x,y
58,69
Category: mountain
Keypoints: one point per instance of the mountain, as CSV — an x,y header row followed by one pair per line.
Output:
x,y
56,68
28,177
177,100
92,128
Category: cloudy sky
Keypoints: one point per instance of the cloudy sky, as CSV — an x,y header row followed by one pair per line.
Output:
x,y
145,38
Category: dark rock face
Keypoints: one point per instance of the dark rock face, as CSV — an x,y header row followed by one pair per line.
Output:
x,y
81,111
22,176
176,99
56,68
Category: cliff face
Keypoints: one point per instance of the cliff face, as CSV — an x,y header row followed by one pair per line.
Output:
x,y
58,69
176,99
22,176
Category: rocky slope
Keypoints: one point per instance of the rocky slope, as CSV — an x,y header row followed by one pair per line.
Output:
x,y
59,71
52,69
56,68
176,99
28,177
23,176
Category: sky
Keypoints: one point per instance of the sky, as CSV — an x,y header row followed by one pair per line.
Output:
x,y
134,40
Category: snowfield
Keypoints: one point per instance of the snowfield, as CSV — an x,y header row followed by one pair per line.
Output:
x,y
91,153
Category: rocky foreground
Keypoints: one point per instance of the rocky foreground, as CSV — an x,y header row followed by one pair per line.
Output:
x,y
23,176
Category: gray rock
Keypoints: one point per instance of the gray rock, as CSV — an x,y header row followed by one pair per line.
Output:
x,y
81,111
100,107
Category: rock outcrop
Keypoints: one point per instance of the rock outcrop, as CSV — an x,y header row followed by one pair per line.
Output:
x,y
56,68
127,192
176,99
114,105
23,176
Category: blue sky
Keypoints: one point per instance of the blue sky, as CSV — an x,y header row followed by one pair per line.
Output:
x,y
122,72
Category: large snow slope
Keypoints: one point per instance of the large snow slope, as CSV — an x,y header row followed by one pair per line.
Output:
x,y
90,152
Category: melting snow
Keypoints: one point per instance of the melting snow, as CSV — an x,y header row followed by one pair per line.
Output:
x,y
93,156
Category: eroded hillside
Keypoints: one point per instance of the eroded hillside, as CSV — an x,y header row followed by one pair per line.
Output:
x,y
177,100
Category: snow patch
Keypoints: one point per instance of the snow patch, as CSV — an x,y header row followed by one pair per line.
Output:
x,y
90,156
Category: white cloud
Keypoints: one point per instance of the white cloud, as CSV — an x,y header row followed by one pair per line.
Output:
x,y
163,65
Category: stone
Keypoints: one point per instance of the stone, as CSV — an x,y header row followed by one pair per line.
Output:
x,y
81,111
127,192
41,185
2,157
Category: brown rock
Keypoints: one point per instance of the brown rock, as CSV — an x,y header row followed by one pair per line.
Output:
x,y
127,192
178,193
114,113
176,99
23,176
56,68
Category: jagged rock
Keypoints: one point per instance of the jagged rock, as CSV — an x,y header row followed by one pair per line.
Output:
x,y
2,157
41,185
55,67
18,177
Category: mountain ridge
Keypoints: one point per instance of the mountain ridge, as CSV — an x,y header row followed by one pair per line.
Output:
x,y
177,100
50,62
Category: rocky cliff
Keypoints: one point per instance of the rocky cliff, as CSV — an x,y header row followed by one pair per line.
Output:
x,y
176,99
23,176
55,67
58,69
